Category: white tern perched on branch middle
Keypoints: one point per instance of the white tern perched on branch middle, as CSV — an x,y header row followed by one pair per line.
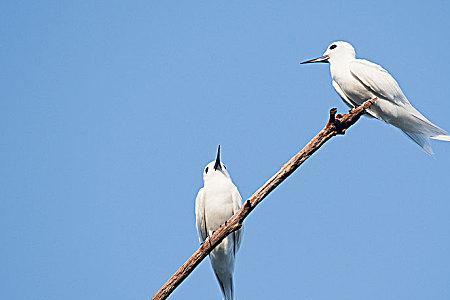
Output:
x,y
216,202
358,80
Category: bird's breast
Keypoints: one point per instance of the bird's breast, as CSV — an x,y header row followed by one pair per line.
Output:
x,y
218,207
351,86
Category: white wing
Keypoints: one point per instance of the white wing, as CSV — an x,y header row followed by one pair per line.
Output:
x,y
382,84
237,203
378,80
200,216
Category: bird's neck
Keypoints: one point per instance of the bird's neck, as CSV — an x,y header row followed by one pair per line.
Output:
x,y
218,181
340,67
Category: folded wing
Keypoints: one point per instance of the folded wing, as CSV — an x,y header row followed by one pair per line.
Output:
x,y
200,216
378,80
237,203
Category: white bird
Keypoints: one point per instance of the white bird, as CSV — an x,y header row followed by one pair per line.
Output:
x,y
358,80
216,202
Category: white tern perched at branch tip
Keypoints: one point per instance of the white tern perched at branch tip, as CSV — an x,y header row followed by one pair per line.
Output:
x,y
216,202
358,80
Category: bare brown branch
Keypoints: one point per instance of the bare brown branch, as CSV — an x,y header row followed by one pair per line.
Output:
x,y
336,125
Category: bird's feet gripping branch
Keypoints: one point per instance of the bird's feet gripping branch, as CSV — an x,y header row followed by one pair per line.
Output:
x,y
340,123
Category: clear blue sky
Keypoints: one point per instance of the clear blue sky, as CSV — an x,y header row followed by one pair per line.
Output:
x,y
110,110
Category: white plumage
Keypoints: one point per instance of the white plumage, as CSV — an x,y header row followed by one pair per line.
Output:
x,y
358,80
216,202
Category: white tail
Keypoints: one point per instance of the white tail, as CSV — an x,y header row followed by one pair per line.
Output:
x,y
421,140
226,285
421,130
441,137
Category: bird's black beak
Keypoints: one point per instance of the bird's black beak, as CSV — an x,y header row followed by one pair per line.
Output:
x,y
218,165
322,59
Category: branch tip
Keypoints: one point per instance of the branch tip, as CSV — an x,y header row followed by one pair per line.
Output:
x,y
333,112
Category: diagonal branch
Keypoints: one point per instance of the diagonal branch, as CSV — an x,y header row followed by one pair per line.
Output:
x,y
336,125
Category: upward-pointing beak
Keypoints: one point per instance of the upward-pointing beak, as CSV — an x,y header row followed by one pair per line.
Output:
x,y
218,165
322,59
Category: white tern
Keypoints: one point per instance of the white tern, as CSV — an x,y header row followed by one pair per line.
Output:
x,y
358,80
216,202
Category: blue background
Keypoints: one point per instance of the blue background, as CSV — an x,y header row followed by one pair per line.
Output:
x,y
109,111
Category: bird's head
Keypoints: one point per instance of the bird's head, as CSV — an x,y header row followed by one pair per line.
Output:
x,y
215,169
336,51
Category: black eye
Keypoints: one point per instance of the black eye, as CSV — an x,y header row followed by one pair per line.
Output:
x,y
332,47
225,167
206,170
